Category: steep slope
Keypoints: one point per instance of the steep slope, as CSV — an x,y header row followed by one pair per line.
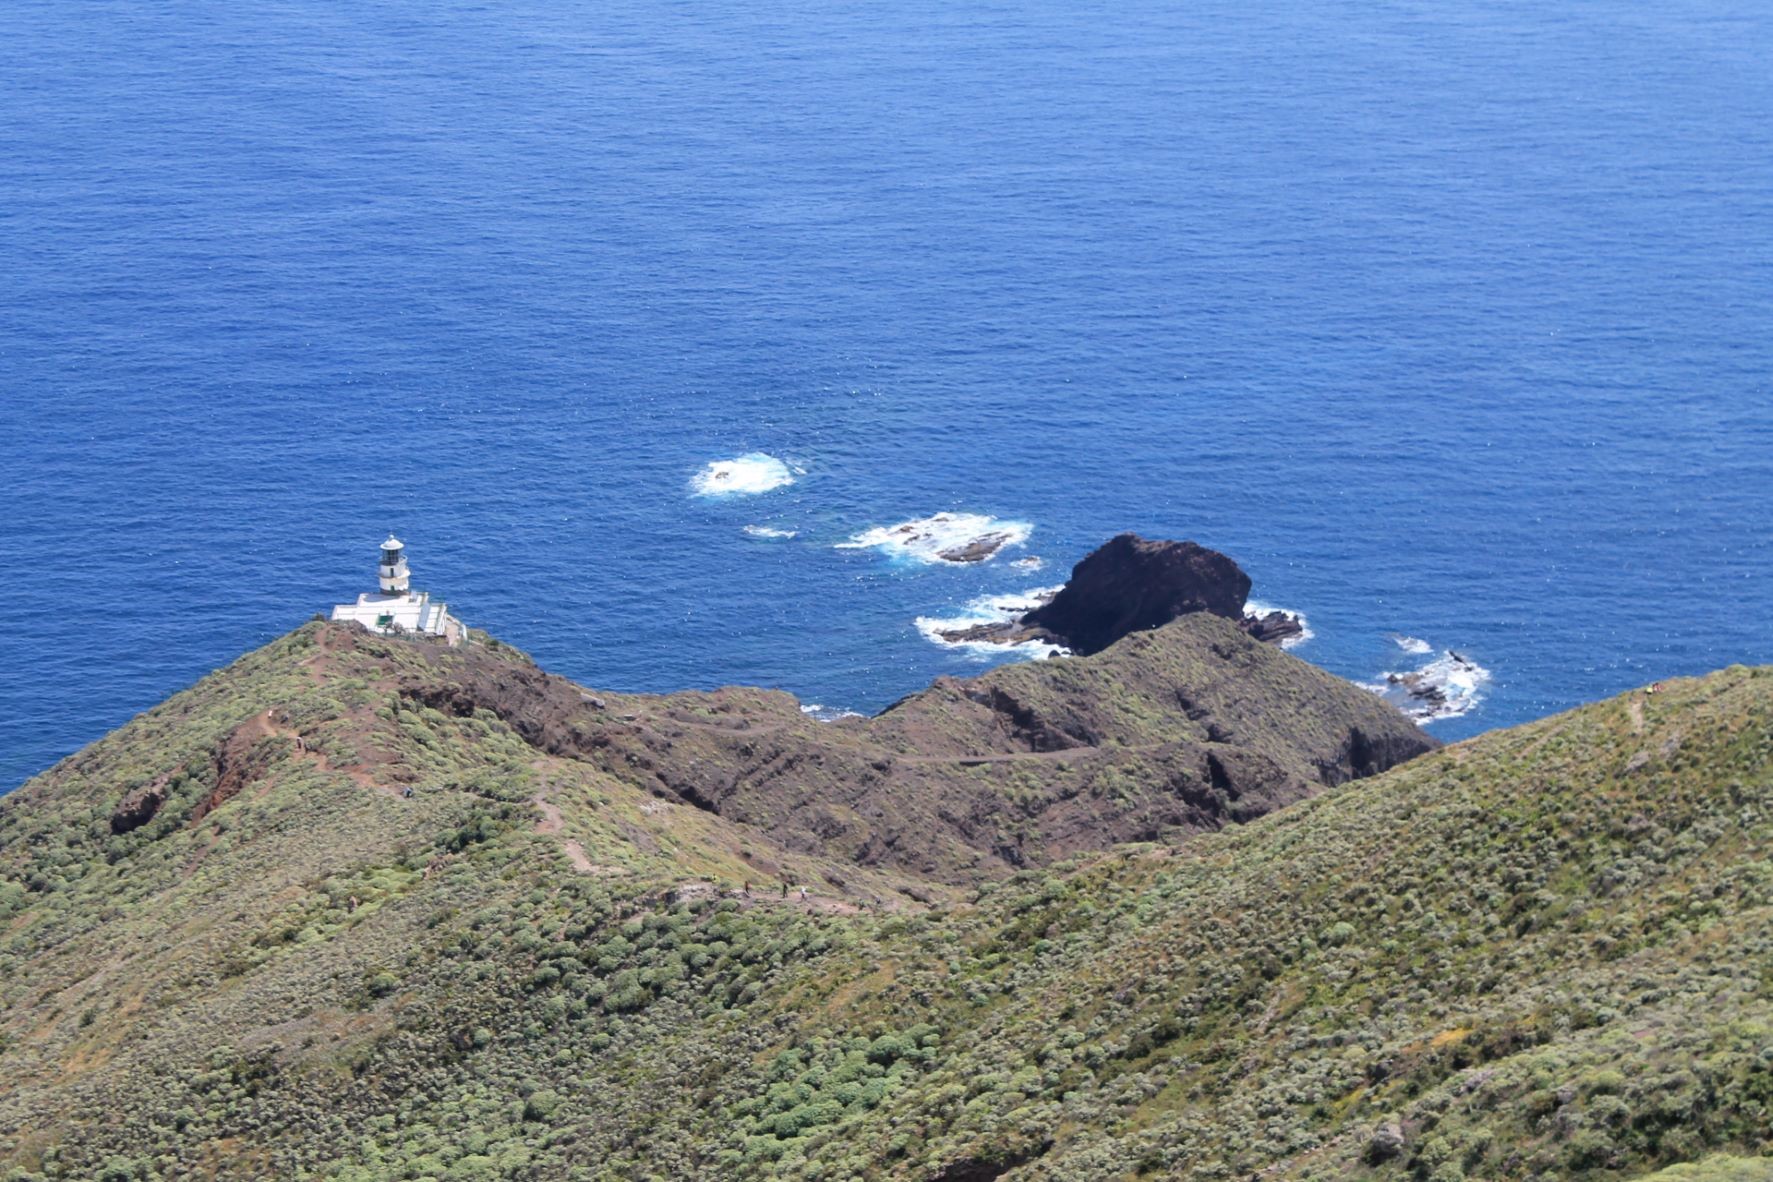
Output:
x,y
1544,953
1548,952
1187,727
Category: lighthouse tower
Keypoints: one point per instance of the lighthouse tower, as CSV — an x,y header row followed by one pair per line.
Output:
x,y
393,572
395,609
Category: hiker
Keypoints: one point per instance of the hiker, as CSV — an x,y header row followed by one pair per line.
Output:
x,y
784,889
408,793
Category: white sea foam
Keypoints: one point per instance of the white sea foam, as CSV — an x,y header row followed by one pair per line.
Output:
x,y
742,476
1016,603
1415,646
942,537
1030,563
770,531
1450,686
993,609
827,713
1256,607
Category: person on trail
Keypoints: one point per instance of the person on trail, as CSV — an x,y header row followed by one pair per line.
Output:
x,y
747,889
803,894
784,889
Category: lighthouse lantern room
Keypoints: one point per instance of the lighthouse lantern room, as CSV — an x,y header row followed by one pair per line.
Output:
x,y
395,609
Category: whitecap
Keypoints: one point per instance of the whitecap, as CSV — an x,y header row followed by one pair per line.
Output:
x,y
743,476
1415,646
953,538
770,531
1015,603
993,609
1450,686
1256,607
1030,563
827,713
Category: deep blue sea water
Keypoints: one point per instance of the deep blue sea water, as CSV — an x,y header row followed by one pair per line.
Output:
x,y
1451,320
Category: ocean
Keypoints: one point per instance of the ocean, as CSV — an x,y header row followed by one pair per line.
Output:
x,y
1449,322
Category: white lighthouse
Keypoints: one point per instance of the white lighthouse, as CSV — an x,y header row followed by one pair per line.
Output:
x,y
393,572
395,609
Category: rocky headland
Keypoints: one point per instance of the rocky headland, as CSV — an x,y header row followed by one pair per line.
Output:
x,y
361,907
1199,724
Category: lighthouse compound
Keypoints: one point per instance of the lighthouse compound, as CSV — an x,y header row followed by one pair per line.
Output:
x,y
395,609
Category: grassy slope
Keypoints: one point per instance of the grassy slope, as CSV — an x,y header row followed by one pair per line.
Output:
x,y
276,919
1545,952
1548,951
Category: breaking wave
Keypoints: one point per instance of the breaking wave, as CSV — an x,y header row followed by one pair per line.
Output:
x,y
743,476
1415,646
1450,686
827,713
993,609
954,538
1256,607
770,531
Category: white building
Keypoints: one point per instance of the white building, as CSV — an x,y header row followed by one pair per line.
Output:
x,y
396,609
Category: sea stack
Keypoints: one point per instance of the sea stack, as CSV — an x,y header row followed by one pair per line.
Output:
x,y
1133,584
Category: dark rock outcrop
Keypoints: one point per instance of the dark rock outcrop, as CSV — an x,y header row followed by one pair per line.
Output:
x,y
1133,585
1386,1142
1272,627
977,550
139,807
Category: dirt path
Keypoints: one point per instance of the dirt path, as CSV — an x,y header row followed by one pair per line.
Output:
x,y
362,778
828,906
1006,757
584,865
552,823
266,725
737,732
821,904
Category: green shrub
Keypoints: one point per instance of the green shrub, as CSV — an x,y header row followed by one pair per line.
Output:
x,y
541,1105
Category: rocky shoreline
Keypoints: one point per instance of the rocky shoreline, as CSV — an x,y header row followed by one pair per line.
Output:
x,y
1446,687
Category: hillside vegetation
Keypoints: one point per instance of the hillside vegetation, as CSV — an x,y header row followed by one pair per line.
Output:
x,y
230,947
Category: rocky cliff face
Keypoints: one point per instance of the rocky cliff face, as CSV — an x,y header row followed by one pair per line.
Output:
x,y
1182,729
